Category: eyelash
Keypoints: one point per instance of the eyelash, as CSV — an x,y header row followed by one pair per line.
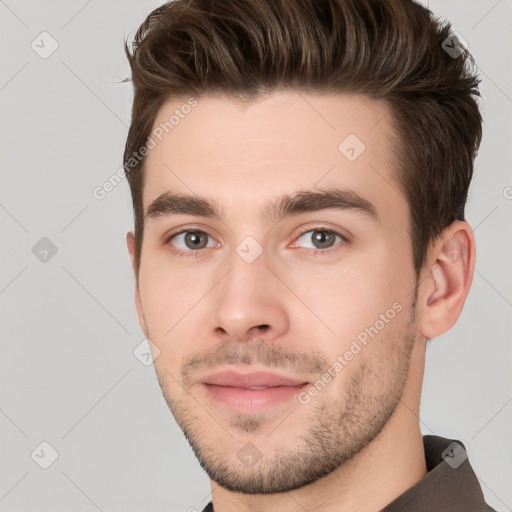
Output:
x,y
308,251
316,252
184,254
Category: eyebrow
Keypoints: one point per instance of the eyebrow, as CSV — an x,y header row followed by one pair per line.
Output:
x,y
303,201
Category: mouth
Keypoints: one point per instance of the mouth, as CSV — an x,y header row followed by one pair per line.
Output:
x,y
252,391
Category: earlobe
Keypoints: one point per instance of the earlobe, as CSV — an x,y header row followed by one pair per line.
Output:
x,y
448,278
130,244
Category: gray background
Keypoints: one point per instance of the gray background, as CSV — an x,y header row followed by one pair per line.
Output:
x,y
69,376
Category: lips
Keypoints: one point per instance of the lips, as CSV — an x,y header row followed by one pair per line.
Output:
x,y
253,380
251,392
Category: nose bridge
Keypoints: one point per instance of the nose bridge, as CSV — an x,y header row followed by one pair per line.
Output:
x,y
245,283
248,298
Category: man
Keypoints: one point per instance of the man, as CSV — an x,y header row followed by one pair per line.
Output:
x,y
299,170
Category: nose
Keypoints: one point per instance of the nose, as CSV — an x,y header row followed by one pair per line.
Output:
x,y
249,303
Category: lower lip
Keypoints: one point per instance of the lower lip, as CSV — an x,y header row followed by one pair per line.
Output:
x,y
251,399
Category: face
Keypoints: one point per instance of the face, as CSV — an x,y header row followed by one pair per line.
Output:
x,y
277,283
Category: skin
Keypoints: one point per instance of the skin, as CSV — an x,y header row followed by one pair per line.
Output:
x,y
357,444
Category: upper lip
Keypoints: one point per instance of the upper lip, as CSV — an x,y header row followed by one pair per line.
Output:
x,y
244,380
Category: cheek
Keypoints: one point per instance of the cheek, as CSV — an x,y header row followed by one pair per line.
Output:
x,y
174,303
351,299
167,295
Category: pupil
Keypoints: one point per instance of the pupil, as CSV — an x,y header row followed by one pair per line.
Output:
x,y
193,240
323,239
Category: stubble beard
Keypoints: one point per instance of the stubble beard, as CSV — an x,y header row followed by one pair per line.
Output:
x,y
335,431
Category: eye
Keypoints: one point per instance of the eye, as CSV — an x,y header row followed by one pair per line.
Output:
x,y
320,238
191,240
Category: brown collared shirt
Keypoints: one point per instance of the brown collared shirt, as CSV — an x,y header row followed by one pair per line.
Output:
x,y
449,486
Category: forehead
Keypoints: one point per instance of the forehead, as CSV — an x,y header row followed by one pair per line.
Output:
x,y
247,152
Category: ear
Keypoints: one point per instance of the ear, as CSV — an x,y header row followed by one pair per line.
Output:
x,y
130,243
446,279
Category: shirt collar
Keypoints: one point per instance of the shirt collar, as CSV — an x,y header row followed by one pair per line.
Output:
x,y
450,484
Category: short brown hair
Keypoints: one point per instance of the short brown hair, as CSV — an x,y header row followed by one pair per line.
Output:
x,y
390,50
